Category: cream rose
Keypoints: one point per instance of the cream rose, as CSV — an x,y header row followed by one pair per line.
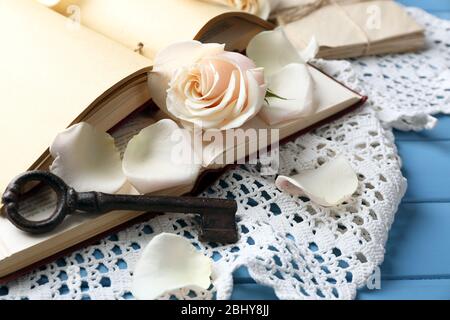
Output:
x,y
204,85
261,8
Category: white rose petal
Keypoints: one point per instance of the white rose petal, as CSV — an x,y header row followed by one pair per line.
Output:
x,y
255,101
311,50
328,186
295,87
169,263
272,51
49,3
260,8
171,58
265,7
87,160
284,4
287,76
151,163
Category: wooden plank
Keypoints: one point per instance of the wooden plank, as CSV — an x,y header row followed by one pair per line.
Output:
x,y
428,5
426,165
418,245
390,290
408,290
443,14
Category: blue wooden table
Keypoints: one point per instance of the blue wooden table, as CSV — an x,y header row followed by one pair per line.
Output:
x,y
417,263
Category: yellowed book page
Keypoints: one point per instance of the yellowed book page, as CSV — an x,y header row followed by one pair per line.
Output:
x,y
50,72
329,25
382,19
41,205
352,23
153,23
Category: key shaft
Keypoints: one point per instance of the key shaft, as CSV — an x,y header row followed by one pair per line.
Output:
x,y
218,216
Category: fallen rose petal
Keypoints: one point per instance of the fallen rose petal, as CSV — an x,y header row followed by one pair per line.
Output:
x,y
151,163
329,185
289,81
168,263
272,51
87,159
295,90
311,50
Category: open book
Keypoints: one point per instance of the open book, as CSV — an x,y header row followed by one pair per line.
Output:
x,y
55,72
352,28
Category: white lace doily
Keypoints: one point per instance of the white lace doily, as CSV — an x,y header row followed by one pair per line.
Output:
x,y
300,249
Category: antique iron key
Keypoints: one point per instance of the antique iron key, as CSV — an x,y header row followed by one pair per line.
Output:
x,y
218,222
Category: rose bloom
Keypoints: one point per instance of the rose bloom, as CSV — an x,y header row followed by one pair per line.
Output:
x,y
261,8
204,85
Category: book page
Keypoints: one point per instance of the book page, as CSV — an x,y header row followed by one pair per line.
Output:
x,y
319,23
42,202
358,22
224,28
382,19
17,244
50,72
155,24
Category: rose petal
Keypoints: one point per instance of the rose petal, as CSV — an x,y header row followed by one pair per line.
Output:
x,y
295,87
172,58
311,50
265,7
260,8
185,53
87,160
49,3
206,117
329,185
272,50
255,100
168,263
239,60
154,160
